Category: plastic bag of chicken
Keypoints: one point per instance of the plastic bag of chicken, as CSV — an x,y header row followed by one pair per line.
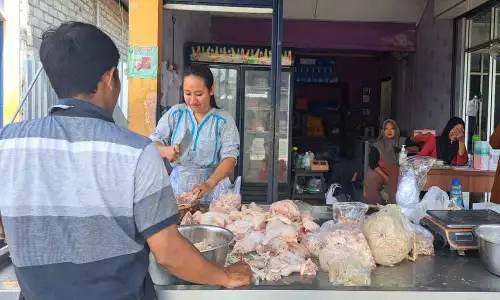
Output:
x,y
226,196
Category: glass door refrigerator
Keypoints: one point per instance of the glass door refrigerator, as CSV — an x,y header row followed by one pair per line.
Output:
x,y
242,78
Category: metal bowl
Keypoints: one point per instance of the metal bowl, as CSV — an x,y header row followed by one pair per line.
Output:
x,y
218,238
488,237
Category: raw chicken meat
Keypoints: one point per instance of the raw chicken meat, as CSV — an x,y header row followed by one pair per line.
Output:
x,y
188,219
276,228
309,225
353,241
286,208
286,263
299,249
226,203
214,219
274,246
258,219
239,228
197,217
252,207
248,243
344,267
313,243
186,198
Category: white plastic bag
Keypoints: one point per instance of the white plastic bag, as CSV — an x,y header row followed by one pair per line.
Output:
x,y
434,199
226,196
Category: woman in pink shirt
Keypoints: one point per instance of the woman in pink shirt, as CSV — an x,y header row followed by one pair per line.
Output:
x,y
450,146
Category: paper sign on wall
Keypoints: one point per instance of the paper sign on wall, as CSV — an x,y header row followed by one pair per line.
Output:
x,y
142,62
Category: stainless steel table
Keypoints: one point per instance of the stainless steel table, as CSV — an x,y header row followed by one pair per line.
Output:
x,y
447,276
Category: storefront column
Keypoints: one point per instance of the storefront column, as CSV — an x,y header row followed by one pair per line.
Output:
x,y
145,30
12,58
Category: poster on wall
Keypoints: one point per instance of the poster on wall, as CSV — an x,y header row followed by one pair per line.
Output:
x,y
236,55
142,62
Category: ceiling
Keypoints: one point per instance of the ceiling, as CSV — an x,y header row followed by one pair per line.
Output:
x,y
398,11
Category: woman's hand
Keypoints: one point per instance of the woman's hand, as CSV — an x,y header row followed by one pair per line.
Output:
x,y
459,133
203,189
169,152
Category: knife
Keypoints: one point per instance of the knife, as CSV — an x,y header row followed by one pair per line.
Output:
x,y
185,144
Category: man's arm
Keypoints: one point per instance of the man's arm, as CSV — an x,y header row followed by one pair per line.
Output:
x,y
156,216
180,257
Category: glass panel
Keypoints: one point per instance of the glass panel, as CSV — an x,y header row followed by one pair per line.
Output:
x,y
256,136
283,113
477,111
226,88
480,29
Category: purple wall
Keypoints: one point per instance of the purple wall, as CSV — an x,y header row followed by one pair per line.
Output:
x,y
316,34
361,72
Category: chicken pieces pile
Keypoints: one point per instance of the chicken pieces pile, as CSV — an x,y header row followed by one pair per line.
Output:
x,y
269,241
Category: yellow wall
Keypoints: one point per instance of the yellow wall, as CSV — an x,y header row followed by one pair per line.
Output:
x,y
146,24
11,60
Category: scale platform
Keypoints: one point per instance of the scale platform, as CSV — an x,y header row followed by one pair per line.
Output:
x,y
455,226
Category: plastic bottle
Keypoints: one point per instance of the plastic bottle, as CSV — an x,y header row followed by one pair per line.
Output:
x,y
307,161
300,161
402,155
311,155
456,192
295,153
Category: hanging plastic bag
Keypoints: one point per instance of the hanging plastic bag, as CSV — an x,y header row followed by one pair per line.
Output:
x,y
412,179
226,196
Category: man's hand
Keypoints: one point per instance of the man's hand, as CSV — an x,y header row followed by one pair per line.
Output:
x,y
203,189
239,275
170,152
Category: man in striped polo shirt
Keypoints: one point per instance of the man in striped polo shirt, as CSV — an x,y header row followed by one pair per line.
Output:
x,y
84,200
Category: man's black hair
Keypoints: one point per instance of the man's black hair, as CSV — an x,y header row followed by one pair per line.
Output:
x,y
75,56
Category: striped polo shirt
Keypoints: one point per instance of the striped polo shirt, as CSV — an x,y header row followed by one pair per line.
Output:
x,y
80,196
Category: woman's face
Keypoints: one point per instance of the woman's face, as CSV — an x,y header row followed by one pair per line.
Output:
x,y
197,94
389,131
456,132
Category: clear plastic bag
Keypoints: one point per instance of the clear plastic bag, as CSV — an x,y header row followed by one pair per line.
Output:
x,y
313,243
344,268
226,196
349,213
338,236
424,241
412,179
389,235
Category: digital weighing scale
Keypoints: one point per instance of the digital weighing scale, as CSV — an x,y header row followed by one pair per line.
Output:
x,y
455,227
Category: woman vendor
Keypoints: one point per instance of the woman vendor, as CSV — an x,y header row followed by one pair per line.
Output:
x,y
384,151
212,155
450,146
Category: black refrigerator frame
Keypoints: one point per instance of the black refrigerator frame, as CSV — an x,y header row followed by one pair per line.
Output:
x,y
257,192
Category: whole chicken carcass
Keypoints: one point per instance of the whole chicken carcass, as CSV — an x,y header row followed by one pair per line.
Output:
x,y
215,219
248,243
287,263
258,219
274,246
239,228
277,229
286,208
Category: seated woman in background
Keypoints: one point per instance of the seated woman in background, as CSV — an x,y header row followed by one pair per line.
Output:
x,y
384,151
450,146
